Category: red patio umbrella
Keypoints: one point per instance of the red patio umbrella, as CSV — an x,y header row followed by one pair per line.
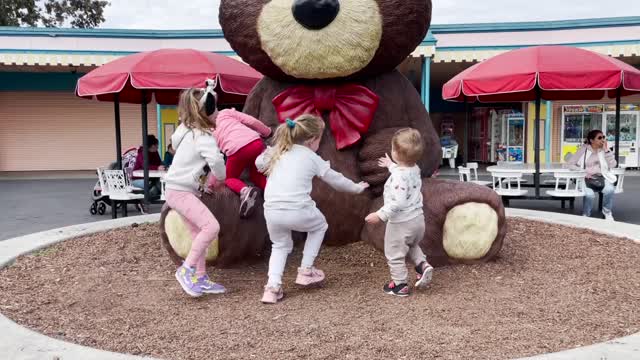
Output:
x,y
545,72
163,73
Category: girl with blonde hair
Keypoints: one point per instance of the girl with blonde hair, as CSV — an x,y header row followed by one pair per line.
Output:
x,y
195,147
291,164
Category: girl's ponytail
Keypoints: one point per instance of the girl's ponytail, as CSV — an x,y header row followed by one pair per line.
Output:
x,y
303,128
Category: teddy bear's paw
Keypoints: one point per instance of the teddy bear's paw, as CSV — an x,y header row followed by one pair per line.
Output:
x,y
238,240
465,223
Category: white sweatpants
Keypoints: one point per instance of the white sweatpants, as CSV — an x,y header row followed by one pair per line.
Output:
x,y
280,224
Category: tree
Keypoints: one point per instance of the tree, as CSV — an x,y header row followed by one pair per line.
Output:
x,y
52,13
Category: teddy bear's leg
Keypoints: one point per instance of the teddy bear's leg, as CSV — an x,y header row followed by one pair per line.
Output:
x,y
238,240
465,223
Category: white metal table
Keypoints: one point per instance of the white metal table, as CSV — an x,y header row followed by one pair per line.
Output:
x,y
152,173
522,168
529,168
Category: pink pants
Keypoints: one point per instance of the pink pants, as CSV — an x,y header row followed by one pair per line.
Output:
x,y
203,226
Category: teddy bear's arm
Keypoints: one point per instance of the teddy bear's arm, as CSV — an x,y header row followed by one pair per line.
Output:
x,y
254,100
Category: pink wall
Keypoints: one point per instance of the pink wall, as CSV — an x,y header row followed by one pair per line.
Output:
x,y
58,131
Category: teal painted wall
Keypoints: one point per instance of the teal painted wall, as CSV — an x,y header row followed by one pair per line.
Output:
x,y
26,81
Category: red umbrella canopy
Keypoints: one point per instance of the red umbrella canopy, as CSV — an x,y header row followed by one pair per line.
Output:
x,y
560,72
164,73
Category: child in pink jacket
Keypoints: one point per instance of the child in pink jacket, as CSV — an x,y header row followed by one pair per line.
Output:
x,y
239,137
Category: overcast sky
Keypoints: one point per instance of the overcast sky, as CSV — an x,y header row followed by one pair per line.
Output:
x,y
203,14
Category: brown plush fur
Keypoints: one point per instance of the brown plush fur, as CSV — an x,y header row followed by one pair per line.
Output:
x,y
405,24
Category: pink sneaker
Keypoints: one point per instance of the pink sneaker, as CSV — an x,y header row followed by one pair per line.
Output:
x,y
272,295
309,276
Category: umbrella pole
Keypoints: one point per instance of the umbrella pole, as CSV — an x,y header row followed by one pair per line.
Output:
x,y
616,148
465,140
116,110
145,145
536,141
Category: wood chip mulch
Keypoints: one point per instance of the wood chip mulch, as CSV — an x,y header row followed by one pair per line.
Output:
x,y
553,288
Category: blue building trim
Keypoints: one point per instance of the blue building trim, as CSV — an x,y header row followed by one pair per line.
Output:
x,y
425,84
111,33
35,81
88,52
547,132
218,34
160,129
511,47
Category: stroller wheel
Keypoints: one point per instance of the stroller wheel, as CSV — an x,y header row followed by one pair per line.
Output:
x,y
101,209
93,209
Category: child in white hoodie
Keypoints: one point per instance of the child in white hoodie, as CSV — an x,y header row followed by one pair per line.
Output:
x,y
195,147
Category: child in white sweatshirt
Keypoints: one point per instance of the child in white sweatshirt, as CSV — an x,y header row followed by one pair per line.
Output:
x,y
403,213
195,147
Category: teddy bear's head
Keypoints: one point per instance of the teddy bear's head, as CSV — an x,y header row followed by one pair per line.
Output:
x,y
324,39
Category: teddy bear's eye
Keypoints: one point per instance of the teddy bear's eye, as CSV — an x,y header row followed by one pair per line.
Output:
x,y
315,14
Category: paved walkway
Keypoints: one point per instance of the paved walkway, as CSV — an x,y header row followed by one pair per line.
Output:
x,y
29,206
35,205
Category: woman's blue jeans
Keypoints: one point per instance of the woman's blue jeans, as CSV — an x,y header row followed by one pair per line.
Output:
x,y
607,200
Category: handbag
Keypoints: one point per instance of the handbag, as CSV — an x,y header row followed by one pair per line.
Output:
x,y
596,182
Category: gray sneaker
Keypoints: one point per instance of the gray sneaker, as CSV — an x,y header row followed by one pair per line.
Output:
x,y
187,279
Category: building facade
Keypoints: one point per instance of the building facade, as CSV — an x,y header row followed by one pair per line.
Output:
x,y
46,127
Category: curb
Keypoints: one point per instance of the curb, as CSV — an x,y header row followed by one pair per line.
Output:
x,y
21,343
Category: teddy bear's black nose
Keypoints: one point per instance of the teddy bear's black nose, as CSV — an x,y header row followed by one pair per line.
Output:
x,y
315,14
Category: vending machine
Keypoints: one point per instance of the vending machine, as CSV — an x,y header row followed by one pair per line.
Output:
x,y
503,123
515,137
628,133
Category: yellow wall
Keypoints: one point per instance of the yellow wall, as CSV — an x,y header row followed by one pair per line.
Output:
x,y
531,116
168,121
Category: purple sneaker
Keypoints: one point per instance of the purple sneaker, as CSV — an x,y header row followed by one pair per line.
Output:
x,y
209,287
187,278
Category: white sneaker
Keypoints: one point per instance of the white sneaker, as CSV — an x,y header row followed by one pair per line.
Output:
x,y
248,201
608,216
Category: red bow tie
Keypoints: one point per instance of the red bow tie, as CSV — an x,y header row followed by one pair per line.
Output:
x,y
351,108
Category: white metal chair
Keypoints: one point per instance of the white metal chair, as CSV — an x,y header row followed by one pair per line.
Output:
x,y
619,172
104,185
568,184
450,153
162,189
464,173
473,166
502,183
119,191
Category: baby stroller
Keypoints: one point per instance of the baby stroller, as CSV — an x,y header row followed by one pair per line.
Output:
x,y
99,200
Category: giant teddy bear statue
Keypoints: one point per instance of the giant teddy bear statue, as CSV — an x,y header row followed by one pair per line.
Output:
x,y
337,58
